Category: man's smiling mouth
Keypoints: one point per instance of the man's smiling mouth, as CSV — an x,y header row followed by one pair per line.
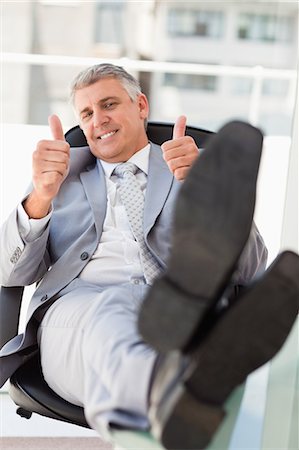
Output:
x,y
107,135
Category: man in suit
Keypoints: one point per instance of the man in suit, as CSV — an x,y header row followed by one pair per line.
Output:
x,y
104,289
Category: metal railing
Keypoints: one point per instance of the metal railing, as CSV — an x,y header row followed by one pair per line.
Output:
x,y
257,73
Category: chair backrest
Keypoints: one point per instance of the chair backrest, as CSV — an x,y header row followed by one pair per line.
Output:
x,y
158,132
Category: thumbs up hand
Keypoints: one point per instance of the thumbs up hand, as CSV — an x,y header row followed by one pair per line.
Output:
x,y
56,128
181,151
50,166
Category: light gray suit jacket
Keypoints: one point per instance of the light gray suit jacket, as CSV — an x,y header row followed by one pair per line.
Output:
x,y
56,258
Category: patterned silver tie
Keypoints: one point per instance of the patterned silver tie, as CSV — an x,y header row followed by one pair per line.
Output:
x,y
133,201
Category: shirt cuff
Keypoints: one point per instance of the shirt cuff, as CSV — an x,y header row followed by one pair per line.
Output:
x,y
31,229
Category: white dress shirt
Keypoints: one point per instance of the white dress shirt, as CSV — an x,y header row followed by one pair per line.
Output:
x,y
117,258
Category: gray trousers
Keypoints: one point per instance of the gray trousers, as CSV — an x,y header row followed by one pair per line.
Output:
x,y
92,355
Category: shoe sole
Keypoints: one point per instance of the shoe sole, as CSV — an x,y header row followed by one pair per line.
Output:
x,y
212,223
248,335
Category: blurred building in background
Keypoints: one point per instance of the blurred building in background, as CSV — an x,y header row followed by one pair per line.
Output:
x,y
229,59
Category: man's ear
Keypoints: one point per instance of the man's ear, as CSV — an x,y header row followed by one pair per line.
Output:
x,y
143,106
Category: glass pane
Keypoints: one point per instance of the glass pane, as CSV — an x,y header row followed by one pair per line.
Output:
x,y
266,27
109,22
194,22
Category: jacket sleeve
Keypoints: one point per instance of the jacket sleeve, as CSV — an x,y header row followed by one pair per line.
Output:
x,y
253,259
22,263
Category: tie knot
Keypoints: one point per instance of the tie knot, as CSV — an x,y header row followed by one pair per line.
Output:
x,y
122,168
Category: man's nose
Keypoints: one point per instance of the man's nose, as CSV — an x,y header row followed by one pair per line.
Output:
x,y
100,118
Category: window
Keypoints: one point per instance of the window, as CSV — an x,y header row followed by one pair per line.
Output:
x,y
275,88
109,23
264,27
189,81
241,85
270,88
192,22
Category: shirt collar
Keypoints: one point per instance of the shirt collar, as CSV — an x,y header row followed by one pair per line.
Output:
x,y
140,159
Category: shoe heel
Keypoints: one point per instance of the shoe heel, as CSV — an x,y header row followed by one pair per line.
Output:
x,y
169,318
184,422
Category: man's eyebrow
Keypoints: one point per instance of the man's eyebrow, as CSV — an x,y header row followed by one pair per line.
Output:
x,y
111,97
103,100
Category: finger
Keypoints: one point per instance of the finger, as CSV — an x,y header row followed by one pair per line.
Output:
x,y
183,161
181,173
179,147
45,146
179,128
56,128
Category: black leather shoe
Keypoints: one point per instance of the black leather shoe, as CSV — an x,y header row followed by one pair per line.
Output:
x,y
212,223
189,392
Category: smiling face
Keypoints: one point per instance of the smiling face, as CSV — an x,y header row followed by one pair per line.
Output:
x,y
112,122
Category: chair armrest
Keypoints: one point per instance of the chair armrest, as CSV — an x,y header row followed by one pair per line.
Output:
x,y
10,306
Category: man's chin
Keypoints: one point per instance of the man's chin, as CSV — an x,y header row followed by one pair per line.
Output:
x,y
107,155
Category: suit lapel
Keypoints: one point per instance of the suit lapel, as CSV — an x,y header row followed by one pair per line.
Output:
x,y
95,188
159,182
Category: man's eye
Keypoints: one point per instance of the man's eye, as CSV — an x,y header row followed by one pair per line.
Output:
x,y
86,115
110,105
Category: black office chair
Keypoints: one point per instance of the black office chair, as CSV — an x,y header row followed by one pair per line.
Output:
x,y
27,388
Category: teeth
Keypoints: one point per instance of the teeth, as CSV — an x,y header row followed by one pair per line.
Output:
x,y
105,136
